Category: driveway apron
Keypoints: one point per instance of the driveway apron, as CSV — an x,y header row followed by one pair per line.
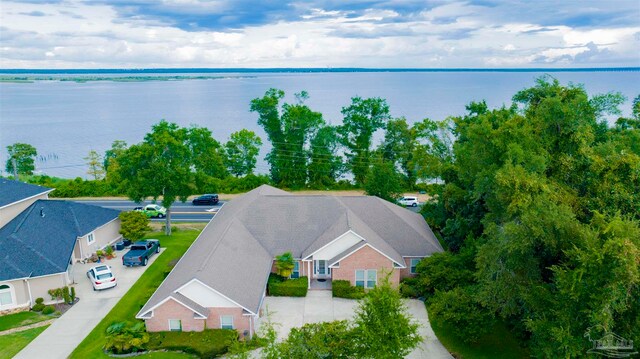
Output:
x,y
66,332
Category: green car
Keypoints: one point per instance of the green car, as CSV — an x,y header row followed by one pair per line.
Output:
x,y
153,211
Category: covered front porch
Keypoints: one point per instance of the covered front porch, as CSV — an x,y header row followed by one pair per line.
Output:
x,y
318,274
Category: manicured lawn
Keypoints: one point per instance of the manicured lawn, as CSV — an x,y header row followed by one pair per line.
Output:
x,y
132,302
498,344
21,319
11,344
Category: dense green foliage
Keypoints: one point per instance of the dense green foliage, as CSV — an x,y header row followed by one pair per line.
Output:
x,y
126,337
285,264
23,156
343,289
241,152
133,225
209,343
320,340
539,210
279,286
383,180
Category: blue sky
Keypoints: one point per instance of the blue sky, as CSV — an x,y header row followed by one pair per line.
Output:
x,y
316,33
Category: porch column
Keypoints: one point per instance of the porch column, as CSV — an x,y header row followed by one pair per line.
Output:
x,y
309,274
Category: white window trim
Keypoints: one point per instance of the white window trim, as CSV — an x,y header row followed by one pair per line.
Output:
x,y
411,266
179,322
91,235
232,325
12,293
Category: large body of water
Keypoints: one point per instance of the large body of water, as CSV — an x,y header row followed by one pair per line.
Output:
x,y
65,120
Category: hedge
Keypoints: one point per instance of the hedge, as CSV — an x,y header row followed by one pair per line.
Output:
x,y
209,343
279,286
344,289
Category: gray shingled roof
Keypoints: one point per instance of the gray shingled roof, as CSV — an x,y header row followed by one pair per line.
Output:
x,y
40,240
234,253
14,191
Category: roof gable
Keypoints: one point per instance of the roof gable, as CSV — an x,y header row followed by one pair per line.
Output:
x,y
15,191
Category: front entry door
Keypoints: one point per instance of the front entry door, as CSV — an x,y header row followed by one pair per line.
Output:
x,y
321,269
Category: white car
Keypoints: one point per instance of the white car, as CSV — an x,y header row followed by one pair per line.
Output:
x,y
409,201
101,277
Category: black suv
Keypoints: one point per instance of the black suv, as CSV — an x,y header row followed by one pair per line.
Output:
x,y
206,199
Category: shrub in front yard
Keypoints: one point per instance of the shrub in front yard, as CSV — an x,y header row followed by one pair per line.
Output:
x,y
208,343
279,286
38,307
125,337
409,288
344,289
49,309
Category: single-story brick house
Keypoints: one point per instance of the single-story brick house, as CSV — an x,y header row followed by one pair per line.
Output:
x,y
221,280
39,245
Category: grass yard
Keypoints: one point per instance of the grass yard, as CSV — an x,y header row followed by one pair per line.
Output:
x,y
498,344
13,343
132,302
21,319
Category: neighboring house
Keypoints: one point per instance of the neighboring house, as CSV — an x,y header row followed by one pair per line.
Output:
x,y
39,246
16,196
220,282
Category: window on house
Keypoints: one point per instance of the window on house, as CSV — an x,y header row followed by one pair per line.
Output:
x,y
296,270
226,321
372,278
175,325
414,264
90,238
5,295
359,278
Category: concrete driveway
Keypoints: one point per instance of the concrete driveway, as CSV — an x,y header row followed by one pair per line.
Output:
x,y
64,335
320,306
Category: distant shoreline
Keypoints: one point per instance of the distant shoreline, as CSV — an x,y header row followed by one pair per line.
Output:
x,y
84,79
298,70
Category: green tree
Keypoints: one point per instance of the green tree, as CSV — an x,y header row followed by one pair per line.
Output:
x,y
383,181
383,328
160,166
207,154
22,155
241,152
320,340
133,225
285,264
96,167
289,129
398,147
117,147
362,118
324,165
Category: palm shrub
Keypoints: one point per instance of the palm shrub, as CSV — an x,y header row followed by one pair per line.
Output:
x,y
126,337
285,264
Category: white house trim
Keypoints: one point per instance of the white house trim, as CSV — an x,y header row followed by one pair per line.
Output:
x,y
164,301
12,294
328,244
213,290
26,199
372,247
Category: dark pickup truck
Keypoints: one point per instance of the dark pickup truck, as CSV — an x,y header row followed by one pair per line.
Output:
x,y
140,252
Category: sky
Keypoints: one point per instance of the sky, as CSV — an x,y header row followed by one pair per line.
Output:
x,y
319,33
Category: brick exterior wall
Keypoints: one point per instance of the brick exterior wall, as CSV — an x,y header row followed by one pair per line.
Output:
x,y
303,268
366,258
174,310
405,273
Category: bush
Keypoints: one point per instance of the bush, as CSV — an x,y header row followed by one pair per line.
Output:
x,y
344,289
49,309
65,295
38,307
39,300
72,294
125,337
279,286
209,343
409,288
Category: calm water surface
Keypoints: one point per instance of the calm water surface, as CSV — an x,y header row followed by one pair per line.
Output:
x,y
65,120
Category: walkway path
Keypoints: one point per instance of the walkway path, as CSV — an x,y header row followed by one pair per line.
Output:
x,y
27,327
66,332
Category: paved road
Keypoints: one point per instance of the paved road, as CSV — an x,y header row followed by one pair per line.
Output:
x,y
66,332
180,212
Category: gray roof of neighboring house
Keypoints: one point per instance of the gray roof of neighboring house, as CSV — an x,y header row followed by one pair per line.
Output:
x,y
234,253
40,240
14,191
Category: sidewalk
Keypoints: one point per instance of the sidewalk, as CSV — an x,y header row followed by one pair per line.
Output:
x,y
66,332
